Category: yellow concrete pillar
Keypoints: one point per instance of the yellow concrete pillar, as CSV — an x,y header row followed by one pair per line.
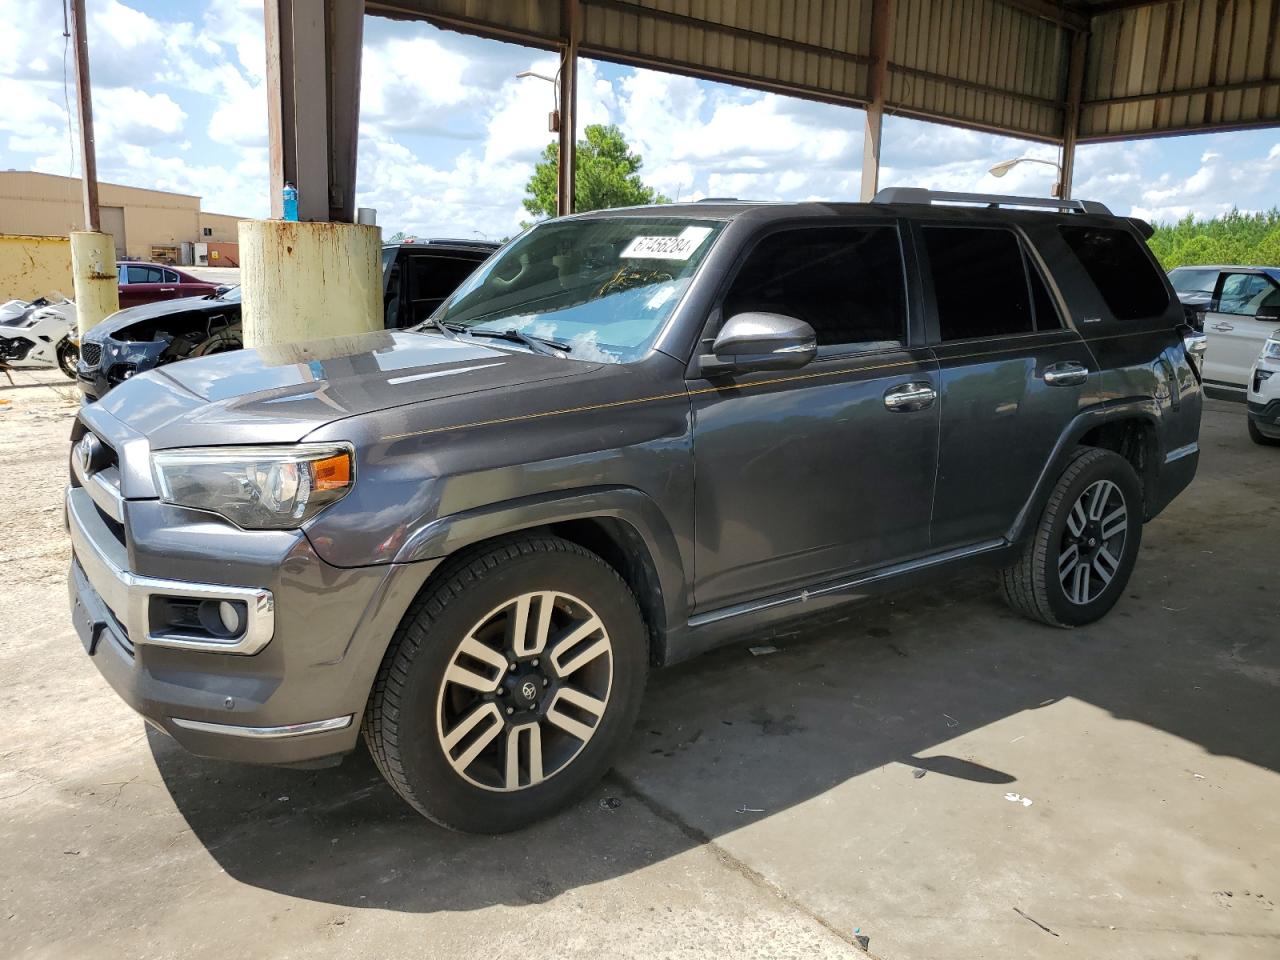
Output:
x,y
93,273
307,281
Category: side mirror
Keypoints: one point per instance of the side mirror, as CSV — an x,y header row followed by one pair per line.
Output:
x,y
1268,312
760,341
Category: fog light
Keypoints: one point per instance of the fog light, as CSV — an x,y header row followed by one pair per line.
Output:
x,y
223,618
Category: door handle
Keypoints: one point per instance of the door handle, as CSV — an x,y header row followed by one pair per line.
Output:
x,y
1224,327
910,396
167,289
1067,374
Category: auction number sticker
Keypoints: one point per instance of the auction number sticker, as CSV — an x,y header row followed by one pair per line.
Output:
x,y
679,247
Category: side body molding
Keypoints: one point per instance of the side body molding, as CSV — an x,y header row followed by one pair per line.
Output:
x,y
634,508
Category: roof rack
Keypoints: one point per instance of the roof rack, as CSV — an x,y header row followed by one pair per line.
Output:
x,y
458,242
921,195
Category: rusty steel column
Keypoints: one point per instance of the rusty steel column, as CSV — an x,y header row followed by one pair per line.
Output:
x,y
320,276
1071,112
881,35
93,253
567,163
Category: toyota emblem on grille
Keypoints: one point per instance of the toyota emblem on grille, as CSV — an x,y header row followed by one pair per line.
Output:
x,y
88,450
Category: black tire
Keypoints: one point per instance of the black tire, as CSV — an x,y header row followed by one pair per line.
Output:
x,y
401,720
1257,436
68,357
1032,585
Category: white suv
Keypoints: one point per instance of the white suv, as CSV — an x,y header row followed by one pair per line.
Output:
x,y
1264,394
1240,307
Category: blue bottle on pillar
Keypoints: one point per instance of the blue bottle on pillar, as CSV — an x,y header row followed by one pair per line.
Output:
x,y
290,201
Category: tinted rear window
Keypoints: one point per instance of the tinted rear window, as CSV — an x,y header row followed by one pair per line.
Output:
x,y
1120,269
979,282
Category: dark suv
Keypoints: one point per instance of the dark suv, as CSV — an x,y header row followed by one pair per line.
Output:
x,y
416,277
631,436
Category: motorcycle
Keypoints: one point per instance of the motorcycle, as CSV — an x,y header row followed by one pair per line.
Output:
x,y
39,333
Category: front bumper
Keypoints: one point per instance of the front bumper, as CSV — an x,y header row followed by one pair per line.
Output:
x,y
296,695
1264,397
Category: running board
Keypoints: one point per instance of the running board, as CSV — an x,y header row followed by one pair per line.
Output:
x,y
833,589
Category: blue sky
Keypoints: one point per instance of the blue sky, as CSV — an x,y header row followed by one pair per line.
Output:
x,y
449,136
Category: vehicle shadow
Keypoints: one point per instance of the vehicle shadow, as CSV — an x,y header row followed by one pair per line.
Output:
x,y
732,735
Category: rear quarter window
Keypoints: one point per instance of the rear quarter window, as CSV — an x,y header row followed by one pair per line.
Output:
x,y
1120,268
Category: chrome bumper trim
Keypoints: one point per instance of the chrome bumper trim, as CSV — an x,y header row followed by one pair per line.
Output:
x,y
129,595
266,733
1181,452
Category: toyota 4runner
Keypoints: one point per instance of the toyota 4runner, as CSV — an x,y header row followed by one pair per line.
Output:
x,y
631,436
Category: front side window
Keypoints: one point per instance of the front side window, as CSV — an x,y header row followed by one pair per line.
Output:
x,y
980,283
1120,269
1242,294
845,282
605,286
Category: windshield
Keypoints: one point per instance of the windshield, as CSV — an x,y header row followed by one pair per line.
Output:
x,y
604,287
1194,281
231,295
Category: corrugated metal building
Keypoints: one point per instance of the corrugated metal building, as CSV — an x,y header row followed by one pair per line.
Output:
x,y
1059,72
142,221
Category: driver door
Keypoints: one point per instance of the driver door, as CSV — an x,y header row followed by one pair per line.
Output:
x,y
807,474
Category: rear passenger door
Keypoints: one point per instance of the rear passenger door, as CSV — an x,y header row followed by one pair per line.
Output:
x,y
1012,375
802,475
143,283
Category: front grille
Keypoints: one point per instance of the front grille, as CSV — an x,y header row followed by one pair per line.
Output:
x,y
90,353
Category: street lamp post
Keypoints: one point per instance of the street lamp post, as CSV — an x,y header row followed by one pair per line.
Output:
x,y
562,85
1004,166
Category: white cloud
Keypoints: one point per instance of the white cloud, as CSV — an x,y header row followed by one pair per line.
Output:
x,y
449,136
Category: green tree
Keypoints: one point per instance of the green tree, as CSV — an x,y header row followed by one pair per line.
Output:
x,y
1244,238
608,175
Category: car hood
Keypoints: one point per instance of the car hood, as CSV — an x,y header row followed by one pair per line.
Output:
x,y
149,311
279,394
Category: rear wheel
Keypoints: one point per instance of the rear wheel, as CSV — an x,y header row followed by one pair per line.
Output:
x,y
510,685
1076,564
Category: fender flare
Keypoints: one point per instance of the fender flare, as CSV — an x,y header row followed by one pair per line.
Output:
x,y
444,536
1129,408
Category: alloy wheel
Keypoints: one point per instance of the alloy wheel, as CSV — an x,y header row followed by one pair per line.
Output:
x,y
1093,542
525,691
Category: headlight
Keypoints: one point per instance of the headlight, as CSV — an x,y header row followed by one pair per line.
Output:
x,y
1271,349
257,488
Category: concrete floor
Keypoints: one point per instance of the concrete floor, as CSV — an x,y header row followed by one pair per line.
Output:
x,y
767,806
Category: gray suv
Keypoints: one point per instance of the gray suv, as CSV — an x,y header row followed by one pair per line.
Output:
x,y
631,436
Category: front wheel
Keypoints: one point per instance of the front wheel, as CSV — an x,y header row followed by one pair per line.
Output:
x,y
510,685
68,357
1258,437
1077,562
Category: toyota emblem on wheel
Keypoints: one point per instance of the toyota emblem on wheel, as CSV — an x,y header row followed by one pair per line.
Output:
x,y
529,690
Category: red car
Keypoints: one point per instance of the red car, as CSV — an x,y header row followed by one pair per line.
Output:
x,y
149,282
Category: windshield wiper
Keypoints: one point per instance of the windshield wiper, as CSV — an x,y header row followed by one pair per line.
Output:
x,y
544,345
450,330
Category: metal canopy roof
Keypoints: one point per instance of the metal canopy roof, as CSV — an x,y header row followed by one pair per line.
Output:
x,y
1056,72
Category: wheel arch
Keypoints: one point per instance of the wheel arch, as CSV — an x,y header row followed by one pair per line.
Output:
x,y
622,525
1130,428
